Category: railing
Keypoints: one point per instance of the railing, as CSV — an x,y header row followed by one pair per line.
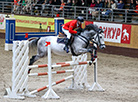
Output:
x,y
71,12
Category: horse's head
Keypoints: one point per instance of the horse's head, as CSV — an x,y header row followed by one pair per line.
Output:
x,y
96,34
98,38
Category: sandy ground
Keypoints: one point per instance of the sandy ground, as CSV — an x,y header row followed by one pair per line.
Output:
x,y
118,75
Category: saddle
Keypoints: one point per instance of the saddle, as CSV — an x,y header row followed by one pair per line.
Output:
x,y
61,38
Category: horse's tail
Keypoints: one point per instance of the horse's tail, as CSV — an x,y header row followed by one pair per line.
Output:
x,y
33,42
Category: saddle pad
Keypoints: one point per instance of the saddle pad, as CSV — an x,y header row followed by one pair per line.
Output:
x,y
61,40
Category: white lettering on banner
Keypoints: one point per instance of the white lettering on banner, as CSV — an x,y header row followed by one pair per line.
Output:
x,y
113,32
2,19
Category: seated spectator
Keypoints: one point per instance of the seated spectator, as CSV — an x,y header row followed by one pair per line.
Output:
x,y
56,2
59,10
24,2
46,7
93,4
73,4
91,9
16,5
83,9
101,3
107,4
67,8
97,10
68,4
83,3
120,6
78,3
27,6
37,6
133,10
108,11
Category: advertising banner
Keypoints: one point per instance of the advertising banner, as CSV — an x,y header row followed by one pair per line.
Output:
x,y
117,33
34,22
2,21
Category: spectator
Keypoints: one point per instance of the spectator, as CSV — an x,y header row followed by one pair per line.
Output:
x,y
92,5
28,6
121,5
101,3
73,4
83,9
132,4
78,3
108,12
37,6
56,2
59,10
96,12
68,4
133,7
106,4
119,10
47,6
16,4
68,8
136,7
113,4
24,2
83,3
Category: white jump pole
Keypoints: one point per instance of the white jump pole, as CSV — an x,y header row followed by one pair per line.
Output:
x,y
96,86
50,94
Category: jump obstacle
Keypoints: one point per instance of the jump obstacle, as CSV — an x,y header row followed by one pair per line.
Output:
x,y
20,75
11,34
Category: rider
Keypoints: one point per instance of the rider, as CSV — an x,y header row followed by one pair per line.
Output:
x,y
68,29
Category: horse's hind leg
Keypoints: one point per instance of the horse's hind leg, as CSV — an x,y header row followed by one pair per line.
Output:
x,y
35,58
32,60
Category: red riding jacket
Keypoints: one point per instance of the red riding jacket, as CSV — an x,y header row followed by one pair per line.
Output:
x,y
71,25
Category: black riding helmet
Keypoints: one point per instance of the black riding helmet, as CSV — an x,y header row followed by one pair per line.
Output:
x,y
81,19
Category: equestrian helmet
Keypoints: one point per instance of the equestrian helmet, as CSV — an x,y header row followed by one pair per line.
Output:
x,y
81,19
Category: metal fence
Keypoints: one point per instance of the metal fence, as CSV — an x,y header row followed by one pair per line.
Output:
x,y
71,12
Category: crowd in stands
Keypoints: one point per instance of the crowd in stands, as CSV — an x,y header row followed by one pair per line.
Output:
x,y
105,7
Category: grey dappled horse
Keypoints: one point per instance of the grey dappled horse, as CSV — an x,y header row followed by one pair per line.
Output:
x,y
79,45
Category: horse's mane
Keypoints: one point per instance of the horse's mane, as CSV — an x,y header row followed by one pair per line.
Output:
x,y
91,27
88,28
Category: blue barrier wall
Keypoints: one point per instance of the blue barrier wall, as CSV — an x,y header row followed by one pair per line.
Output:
x,y
11,35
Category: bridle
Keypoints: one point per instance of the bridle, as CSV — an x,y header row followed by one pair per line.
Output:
x,y
94,40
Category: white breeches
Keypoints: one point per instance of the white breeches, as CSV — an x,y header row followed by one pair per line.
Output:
x,y
66,32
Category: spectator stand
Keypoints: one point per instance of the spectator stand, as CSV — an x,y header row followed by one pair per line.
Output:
x,y
70,12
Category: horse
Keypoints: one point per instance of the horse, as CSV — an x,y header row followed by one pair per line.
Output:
x,y
80,44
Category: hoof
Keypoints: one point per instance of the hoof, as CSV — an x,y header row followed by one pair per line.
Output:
x,y
90,63
29,71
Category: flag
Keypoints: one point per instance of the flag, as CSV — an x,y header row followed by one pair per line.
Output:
x,y
26,35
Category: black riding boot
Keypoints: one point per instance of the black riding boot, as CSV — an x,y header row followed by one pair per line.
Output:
x,y
66,48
